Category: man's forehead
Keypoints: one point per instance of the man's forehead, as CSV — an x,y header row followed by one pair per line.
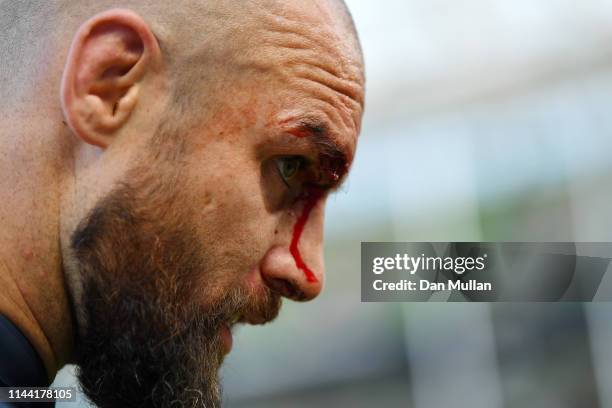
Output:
x,y
310,50
318,33
292,59
318,27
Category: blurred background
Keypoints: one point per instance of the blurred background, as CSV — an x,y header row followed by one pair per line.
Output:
x,y
486,120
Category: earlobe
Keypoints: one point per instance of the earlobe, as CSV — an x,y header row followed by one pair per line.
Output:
x,y
110,57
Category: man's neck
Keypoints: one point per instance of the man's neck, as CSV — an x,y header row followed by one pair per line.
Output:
x,y
36,303
33,296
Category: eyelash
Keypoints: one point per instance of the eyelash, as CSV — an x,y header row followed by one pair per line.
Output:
x,y
306,177
302,165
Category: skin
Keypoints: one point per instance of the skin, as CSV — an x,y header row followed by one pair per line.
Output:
x,y
291,86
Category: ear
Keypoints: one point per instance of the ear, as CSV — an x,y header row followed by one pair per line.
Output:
x,y
111,56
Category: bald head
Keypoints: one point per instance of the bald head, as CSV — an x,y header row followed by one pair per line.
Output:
x,y
199,39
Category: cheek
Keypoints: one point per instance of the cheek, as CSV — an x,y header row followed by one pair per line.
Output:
x,y
229,216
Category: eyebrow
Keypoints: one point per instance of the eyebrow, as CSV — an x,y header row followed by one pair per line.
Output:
x,y
333,155
318,133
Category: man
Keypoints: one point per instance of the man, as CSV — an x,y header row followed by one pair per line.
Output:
x,y
163,173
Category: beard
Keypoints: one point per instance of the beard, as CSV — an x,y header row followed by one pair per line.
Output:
x,y
152,310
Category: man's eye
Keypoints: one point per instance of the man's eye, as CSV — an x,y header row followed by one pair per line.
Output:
x,y
288,167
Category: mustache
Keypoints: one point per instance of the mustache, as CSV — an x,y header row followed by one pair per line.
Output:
x,y
245,306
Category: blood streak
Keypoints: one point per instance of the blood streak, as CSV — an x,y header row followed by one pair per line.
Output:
x,y
311,202
299,132
334,170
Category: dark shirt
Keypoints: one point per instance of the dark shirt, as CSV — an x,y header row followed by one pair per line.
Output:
x,y
20,364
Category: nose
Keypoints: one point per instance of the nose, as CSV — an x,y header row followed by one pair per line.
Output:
x,y
295,269
281,273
